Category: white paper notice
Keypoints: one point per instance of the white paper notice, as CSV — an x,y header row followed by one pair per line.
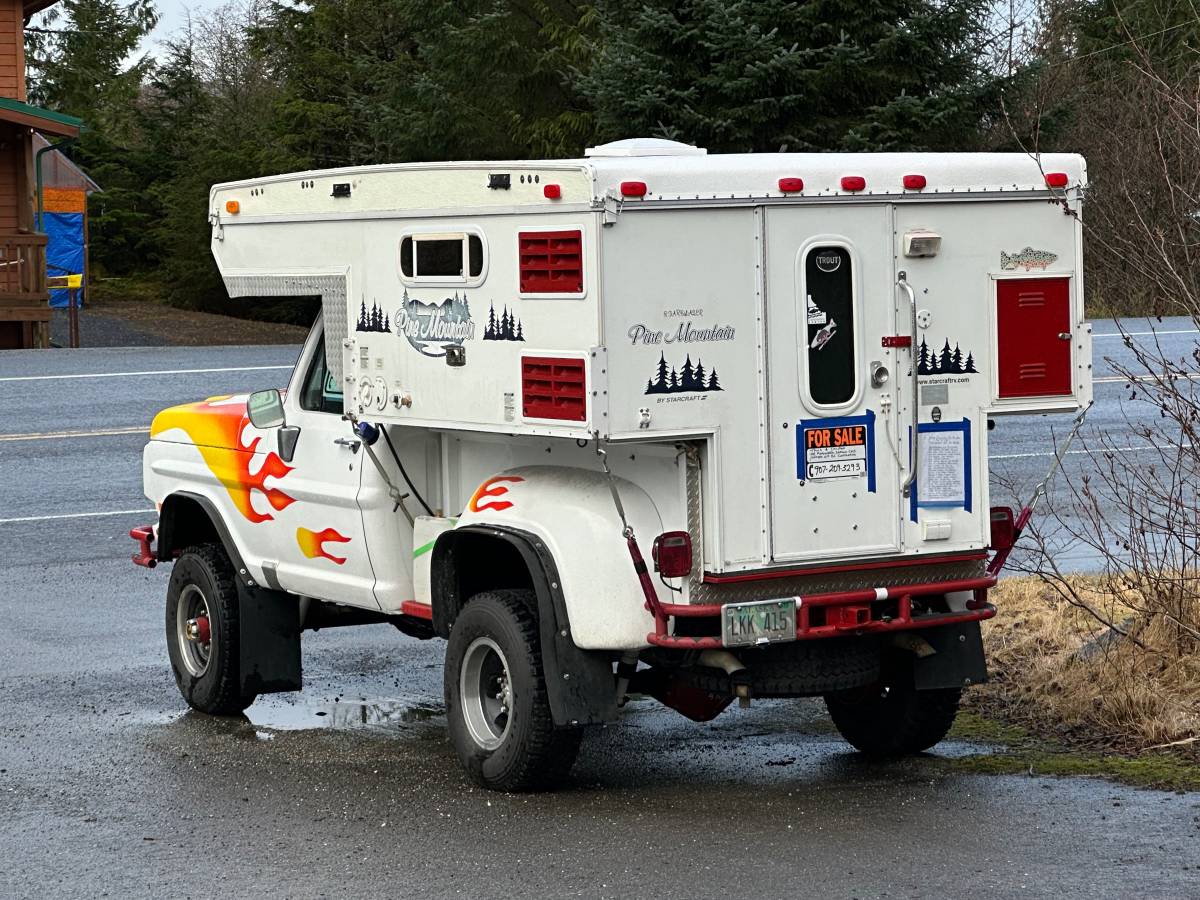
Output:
x,y
942,478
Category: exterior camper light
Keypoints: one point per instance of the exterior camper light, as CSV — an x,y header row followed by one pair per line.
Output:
x,y
633,189
914,182
922,243
853,183
791,185
233,207
552,192
1056,179
672,552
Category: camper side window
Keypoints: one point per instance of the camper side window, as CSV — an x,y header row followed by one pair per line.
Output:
x,y
829,297
445,258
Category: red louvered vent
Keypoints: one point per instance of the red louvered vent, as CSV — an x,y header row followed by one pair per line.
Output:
x,y
551,262
553,387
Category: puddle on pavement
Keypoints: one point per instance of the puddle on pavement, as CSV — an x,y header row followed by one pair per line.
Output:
x,y
385,714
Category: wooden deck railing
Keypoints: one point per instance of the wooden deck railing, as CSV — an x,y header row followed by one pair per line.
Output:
x,y
23,268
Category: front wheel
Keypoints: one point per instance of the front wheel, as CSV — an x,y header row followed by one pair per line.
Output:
x,y
497,708
202,631
891,717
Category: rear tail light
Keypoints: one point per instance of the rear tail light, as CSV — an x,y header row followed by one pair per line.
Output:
x,y
1056,179
552,192
1004,529
673,554
553,388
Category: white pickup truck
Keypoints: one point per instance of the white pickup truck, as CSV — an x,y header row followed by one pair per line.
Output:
x,y
698,427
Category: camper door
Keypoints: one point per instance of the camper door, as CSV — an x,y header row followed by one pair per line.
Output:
x,y
834,443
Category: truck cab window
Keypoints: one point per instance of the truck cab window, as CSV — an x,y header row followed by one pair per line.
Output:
x,y
321,391
829,297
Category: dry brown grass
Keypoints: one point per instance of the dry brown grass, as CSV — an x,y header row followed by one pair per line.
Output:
x,y
1057,670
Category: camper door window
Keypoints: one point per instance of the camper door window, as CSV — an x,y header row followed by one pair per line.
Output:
x,y
829,297
442,258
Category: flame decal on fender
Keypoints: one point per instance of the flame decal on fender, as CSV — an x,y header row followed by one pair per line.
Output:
x,y
216,426
490,488
311,543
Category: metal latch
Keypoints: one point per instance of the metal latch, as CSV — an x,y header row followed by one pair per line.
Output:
x,y
1064,335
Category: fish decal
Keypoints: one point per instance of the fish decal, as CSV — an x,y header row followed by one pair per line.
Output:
x,y
219,428
824,336
312,543
1027,258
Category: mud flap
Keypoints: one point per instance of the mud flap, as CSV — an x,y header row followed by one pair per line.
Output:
x,y
269,640
957,660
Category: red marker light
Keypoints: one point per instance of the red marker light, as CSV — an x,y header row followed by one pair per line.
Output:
x,y
853,183
914,182
552,192
791,185
633,189
1056,179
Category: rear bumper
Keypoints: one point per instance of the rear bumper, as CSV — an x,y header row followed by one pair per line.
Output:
x,y
844,613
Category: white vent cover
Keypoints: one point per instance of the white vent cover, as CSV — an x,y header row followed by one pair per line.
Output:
x,y
645,147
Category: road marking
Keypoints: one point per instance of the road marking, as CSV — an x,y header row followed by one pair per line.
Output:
x,y
132,374
49,435
1117,334
1182,376
84,515
1071,452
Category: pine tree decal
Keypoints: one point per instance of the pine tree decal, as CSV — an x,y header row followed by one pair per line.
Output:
x,y
957,359
689,378
362,316
946,362
970,366
508,328
489,333
923,358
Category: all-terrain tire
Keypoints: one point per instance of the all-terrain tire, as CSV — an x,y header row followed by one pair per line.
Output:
x,y
891,717
530,753
800,668
204,571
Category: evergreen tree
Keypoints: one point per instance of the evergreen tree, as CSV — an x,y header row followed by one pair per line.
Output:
x,y
386,324
489,333
970,364
699,376
687,380
520,332
362,316
946,362
923,357
673,385
956,360
743,75
661,383
713,383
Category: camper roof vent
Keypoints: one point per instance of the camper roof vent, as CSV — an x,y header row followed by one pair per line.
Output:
x,y
645,147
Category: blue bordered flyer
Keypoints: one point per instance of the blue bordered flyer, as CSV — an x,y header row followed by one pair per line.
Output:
x,y
944,467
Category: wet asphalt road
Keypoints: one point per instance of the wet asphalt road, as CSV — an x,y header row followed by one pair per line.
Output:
x,y
108,788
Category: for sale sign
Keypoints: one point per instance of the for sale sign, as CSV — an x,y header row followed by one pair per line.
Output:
x,y
835,451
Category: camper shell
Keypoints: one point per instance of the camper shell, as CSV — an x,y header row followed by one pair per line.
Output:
x,y
774,371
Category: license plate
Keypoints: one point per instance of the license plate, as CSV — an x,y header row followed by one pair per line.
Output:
x,y
761,622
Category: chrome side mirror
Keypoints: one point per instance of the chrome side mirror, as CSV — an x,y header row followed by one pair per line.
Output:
x,y
879,374
265,409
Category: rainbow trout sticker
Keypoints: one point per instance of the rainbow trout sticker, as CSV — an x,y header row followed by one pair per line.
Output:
x,y
1027,259
431,327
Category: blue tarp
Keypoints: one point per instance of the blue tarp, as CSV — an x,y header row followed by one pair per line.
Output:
x,y
64,251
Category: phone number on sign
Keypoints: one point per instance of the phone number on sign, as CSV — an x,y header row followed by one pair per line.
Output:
x,y
845,469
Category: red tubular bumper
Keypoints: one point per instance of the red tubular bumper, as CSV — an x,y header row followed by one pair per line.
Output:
x,y
144,535
841,613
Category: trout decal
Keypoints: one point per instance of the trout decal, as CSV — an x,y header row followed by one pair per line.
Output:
x,y
1027,259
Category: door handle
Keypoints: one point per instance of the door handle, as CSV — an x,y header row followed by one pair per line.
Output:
x,y
1064,335
350,443
902,283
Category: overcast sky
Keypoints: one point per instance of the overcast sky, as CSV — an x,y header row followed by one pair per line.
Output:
x,y
173,13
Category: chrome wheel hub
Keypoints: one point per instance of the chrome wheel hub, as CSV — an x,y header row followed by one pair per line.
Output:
x,y
485,686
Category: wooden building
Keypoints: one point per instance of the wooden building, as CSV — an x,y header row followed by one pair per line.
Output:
x,y
24,297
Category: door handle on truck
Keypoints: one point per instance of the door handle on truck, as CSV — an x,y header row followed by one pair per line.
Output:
x,y
915,441
349,443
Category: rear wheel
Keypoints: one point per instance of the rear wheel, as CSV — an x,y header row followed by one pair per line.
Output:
x,y
202,631
496,703
891,717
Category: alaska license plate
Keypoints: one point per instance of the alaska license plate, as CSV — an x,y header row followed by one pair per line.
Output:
x,y
761,622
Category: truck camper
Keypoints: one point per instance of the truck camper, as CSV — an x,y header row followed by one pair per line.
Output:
x,y
706,428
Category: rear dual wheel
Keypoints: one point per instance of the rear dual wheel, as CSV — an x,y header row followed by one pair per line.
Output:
x,y
497,707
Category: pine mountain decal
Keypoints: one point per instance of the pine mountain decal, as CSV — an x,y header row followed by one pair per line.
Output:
x,y
506,328
947,362
374,319
689,379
